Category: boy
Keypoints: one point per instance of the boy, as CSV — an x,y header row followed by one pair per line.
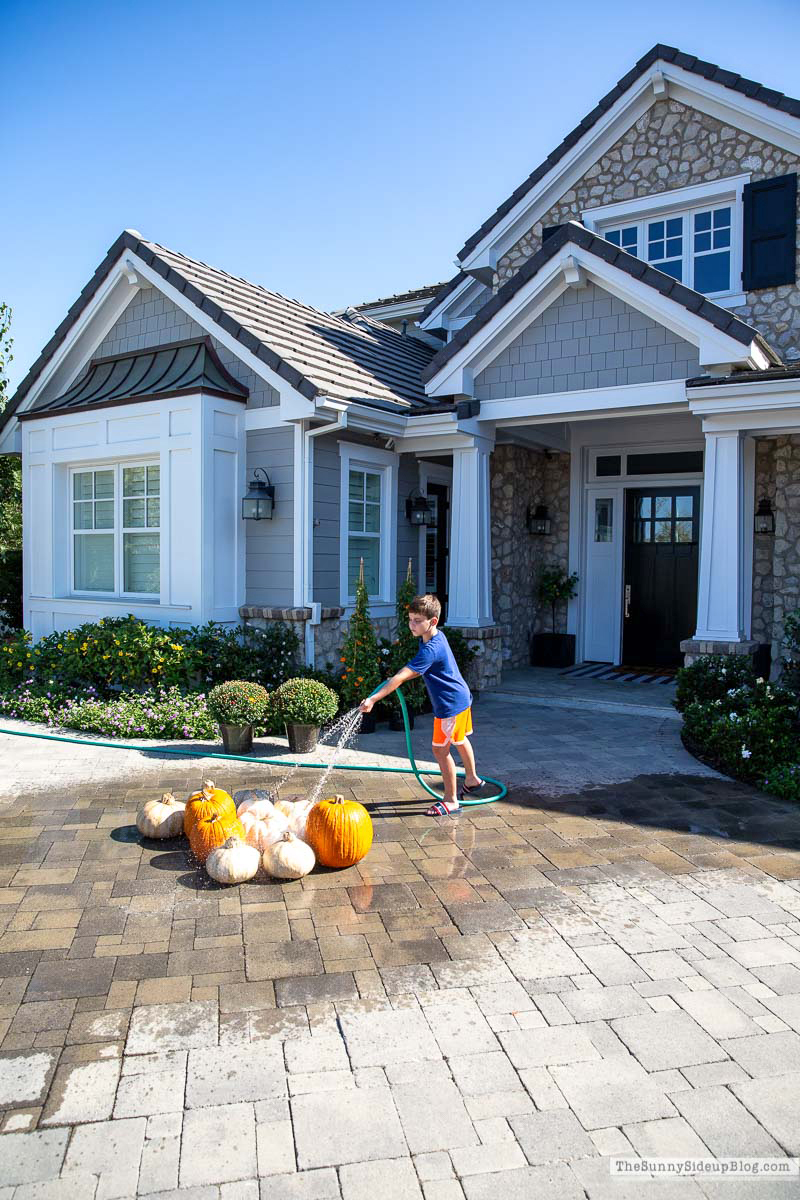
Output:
x,y
450,697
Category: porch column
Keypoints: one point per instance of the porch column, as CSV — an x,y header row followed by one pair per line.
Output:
x,y
470,581
726,539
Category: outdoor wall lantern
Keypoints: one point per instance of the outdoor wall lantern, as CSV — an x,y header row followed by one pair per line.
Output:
x,y
259,502
765,517
419,509
539,520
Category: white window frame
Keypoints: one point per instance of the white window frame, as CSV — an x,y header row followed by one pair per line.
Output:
x,y
377,462
117,531
682,202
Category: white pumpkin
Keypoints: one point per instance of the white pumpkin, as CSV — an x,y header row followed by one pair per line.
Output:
x,y
284,806
161,818
299,817
247,798
263,826
233,862
288,858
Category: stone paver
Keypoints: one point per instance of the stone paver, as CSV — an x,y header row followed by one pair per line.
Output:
x,y
483,1007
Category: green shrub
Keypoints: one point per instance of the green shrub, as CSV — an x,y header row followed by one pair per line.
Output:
x,y
305,702
784,782
238,702
462,652
361,675
710,678
748,732
11,588
125,653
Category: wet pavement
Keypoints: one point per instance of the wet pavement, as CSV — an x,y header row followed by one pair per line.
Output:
x,y
606,964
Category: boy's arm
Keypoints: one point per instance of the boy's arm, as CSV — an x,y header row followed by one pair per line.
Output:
x,y
391,685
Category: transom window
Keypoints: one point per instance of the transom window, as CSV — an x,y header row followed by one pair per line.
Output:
x,y
116,523
693,247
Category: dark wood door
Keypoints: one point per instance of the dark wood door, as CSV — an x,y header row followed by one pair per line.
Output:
x,y
436,545
662,533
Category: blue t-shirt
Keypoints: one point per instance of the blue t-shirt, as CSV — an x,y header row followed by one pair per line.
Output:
x,y
446,687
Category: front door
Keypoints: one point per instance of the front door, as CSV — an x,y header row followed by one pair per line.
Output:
x,y
436,545
662,534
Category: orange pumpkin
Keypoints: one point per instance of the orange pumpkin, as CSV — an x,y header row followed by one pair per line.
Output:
x,y
210,832
339,831
204,804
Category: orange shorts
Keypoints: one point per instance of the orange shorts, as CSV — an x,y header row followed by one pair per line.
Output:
x,y
452,729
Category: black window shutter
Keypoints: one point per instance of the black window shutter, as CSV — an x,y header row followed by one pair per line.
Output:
x,y
770,232
549,230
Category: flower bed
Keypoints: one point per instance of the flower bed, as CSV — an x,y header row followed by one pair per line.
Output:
x,y
743,726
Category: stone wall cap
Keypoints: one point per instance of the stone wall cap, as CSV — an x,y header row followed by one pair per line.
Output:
x,y
705,646
274,614
479,633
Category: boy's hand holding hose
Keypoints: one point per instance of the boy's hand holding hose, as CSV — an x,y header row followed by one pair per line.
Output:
x,y
391,685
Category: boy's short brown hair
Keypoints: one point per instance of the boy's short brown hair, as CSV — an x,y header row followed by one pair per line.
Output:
x,y
426,606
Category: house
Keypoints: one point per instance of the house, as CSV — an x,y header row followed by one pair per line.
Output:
x,y
620,347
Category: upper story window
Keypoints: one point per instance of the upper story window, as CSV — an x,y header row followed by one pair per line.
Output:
x,y
694,247
693,234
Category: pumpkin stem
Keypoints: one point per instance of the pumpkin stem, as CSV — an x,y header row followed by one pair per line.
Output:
x,y
168,798
209,785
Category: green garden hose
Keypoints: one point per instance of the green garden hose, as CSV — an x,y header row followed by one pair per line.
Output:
x,y
278,762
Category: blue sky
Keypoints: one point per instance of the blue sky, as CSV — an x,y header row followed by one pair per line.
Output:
x,y
331,151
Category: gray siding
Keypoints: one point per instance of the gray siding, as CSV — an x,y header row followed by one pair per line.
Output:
x,y
152,320
586,339
269,562
327,501
477,304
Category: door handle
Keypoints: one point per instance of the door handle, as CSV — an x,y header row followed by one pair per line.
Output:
x,y
627,600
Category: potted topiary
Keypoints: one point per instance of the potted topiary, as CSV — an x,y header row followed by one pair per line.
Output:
x,y
554,649
305,705
236,706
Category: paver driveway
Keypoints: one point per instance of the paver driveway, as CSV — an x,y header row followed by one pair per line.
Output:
x,y
490,1006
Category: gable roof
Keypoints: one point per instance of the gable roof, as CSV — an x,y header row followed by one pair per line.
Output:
x,y
349,358
151,374
670,54
577,235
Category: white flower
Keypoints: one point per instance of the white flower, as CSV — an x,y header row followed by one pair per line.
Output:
x,y
733,716
745,752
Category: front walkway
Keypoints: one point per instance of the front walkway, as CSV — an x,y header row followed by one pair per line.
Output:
x,y
608,963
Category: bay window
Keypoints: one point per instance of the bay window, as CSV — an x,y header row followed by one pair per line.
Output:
x,y
116,524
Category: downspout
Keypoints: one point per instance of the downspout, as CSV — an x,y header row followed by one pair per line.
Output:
x,y
308,540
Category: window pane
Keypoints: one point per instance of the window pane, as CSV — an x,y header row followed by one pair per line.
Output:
x,y
614,236
663,531
702,242
603,520
644,506
722,237
104,514
140,552
372,518
82,486
83,515
104,485
356,485
355,519
684,506
712,272
674,268
630,239
722,216
94,562
663,506
153,481
683,531
373,488
675,227
655,231
608,464
369,550
643,531
702,221
133,514
153,513
133,481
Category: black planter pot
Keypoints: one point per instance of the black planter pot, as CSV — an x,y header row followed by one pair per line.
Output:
x,y
302,738
237,739
368,723
396,720
552,649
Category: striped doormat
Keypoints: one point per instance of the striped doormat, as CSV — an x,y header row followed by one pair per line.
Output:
x,y
590,670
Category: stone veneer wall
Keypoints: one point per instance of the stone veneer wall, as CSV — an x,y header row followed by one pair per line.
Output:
x,y
786,552
764,545
672,146
523,477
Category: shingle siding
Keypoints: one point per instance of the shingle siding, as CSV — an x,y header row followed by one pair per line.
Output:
x,y
586,339
269,558
151,319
